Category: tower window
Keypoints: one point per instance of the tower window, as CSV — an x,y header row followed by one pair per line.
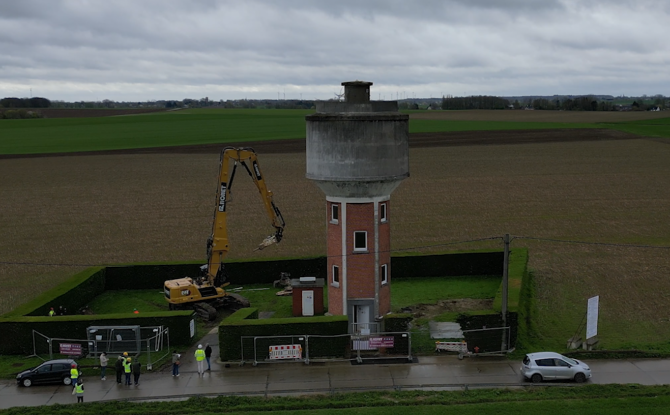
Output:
x,y
360,241
382,212
336,276
334,213
384,277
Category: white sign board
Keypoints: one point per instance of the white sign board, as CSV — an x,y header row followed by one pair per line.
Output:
x,y
191,326
592,317
288,351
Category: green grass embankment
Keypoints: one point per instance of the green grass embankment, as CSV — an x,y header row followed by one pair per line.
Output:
x,y
589,399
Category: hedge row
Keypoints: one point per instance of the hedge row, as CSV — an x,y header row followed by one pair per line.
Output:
x,y
397,323
17,332
491,340
484,335
84,286
446,265
517,270
266,271
239,272
285,331
72,294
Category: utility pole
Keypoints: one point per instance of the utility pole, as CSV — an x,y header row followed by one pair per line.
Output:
x,y
503,346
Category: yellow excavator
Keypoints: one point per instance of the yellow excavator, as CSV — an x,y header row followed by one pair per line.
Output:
x,y
206,293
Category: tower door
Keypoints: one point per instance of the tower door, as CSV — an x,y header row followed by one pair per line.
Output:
x,y
362,319
308,303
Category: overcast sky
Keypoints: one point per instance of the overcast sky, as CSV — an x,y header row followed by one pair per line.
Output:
x,y
138,50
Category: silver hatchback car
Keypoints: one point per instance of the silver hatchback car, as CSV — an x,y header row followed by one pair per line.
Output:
x,y
552,366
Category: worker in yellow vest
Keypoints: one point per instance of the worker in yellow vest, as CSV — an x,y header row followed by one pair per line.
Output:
x,y
74,374
79,391
200,358
51,312
127,369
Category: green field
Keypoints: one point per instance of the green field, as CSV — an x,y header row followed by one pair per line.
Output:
x,y
204,126
408,292
60,215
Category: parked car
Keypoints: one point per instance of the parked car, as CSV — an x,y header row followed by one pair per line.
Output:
x,y
552,366
51,371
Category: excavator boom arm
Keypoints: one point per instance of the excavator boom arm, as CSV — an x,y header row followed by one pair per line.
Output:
x,y
217,245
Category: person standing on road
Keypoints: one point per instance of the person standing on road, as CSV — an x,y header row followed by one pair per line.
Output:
x,y
137,368
127,368
79,391
119,368
51,312
200,358
208,356
175,363
74,374
103,365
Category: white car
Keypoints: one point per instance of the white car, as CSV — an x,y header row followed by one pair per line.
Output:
x,y
553,366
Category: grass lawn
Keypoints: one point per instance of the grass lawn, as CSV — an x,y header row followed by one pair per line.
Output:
x,y
412,291
583,400
406,292
263,297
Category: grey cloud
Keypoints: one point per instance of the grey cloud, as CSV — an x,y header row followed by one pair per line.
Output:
x,y
472,46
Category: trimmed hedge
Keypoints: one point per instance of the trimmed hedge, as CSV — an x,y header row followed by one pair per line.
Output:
x,y
487,340
147,276
453,264
396,323
517,271
232,329
239,272
71,294
490,341
86,285
17,332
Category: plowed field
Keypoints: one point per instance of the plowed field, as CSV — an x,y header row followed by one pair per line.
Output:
x,y
62,213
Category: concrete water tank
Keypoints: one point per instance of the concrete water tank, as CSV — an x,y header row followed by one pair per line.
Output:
x,y
357,148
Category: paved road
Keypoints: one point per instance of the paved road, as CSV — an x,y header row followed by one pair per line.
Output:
x,y
443,372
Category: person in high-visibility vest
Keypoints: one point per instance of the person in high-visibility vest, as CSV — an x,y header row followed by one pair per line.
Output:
x,y
79,391
51,312
128,370
74,374
200,358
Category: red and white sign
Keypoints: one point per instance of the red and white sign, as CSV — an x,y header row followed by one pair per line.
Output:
x,y
70,349
385,342
461,347
288,351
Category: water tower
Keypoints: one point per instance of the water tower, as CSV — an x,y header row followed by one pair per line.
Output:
x,y
358,153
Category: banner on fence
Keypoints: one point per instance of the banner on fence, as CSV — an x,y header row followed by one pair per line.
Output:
x,y
288,351
70,349
386,342
461,347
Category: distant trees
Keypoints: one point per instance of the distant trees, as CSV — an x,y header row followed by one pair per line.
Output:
x,y
35,102
481,102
